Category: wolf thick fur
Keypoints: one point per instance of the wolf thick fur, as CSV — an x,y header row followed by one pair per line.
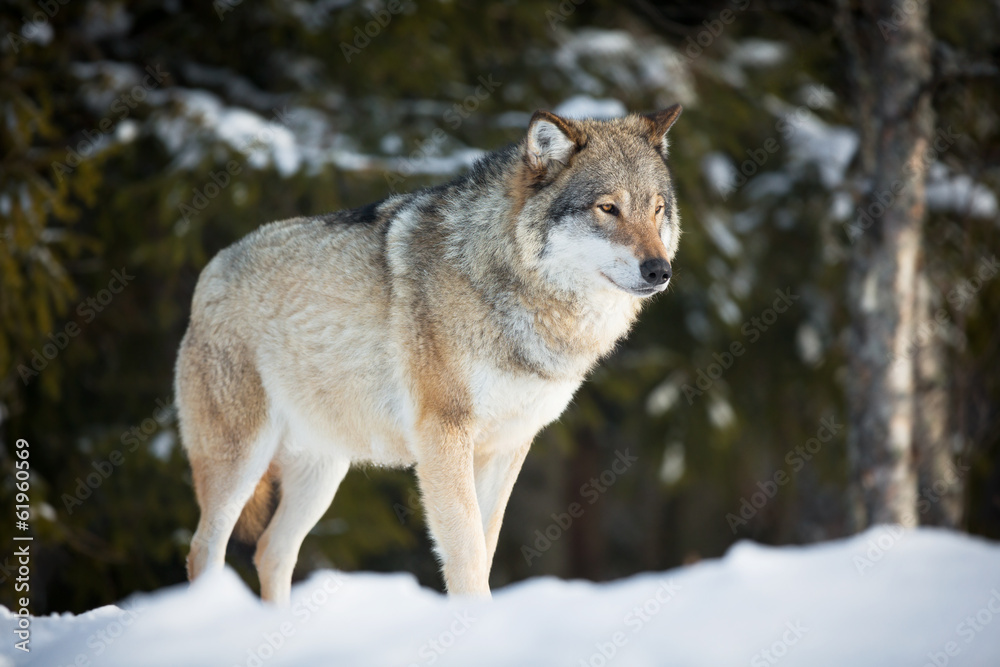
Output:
x,y
441,329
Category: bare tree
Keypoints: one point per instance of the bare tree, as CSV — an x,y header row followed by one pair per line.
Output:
x,y
889,52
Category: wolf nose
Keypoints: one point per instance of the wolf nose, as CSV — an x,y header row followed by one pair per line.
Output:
x,y
655,271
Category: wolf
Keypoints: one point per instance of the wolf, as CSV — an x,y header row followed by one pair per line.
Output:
x,y
441,329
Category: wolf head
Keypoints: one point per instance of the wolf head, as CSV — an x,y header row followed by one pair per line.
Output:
x,y
599,209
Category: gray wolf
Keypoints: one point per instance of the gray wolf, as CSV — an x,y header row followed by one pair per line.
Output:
x,y
441,329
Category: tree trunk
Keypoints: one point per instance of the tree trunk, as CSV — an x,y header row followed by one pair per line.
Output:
x,y
890,53
941,482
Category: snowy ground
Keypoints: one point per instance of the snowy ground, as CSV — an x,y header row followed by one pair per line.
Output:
x,y
884,598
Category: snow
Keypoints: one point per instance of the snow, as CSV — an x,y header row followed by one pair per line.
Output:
x,y
841,205
263,142
191,122
584,106
294,138
809,344
127,131
281,131
163,444
37,30
758,53
726,308
672,468
817,96
719,232
238,88
958,193
830,148
886,597
596,60
769,184
719,171
720,412
664,396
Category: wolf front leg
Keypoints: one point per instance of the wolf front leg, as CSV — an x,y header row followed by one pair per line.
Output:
x,y
448,487
496,472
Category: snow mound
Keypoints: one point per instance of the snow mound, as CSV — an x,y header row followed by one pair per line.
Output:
x,y
886,597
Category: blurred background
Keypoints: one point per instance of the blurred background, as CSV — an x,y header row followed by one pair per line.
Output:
x,y
140,138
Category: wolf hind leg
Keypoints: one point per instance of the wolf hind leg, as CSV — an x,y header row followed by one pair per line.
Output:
x,y
224,488
230,437
308,486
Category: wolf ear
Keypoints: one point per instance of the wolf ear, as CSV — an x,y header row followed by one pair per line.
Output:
x,y
659,123
551,141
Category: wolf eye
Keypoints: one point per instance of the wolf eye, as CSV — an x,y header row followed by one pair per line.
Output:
x,y
659,207
610,209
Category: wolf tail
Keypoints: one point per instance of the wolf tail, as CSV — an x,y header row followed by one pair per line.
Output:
x,y
259,510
